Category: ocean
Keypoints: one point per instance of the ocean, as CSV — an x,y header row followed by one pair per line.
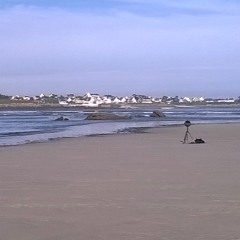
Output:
x,y
21,127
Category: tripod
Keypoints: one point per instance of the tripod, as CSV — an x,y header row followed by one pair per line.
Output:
x,y
185,140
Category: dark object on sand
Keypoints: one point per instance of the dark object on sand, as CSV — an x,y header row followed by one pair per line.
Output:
x,y
199,140
61,119
105,116
157,113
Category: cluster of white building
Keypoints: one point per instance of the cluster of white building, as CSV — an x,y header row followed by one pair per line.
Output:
x,y
95,100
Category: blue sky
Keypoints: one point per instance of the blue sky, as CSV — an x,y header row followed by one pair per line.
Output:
x,y
153,47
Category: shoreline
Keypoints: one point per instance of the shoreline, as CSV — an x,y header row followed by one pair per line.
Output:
x,y
134,130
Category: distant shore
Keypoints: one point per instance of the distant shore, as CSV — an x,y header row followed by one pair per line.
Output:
x,y
33,106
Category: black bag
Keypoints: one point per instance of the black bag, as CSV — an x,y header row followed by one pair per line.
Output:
x,y
199,140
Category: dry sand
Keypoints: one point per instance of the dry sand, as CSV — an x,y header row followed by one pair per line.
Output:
x,y
145,186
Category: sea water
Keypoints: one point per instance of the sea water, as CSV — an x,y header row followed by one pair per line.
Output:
x,y
21,127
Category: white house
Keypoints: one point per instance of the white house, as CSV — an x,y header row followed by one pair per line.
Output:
x,y
116,100
157,100
146,100
185,100
132,100
26,98
80,100
123,99
226,100
198,99
106,100
92,95
71,100
63,103
36,98
17,97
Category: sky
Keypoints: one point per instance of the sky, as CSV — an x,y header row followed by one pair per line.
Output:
x,y
121,47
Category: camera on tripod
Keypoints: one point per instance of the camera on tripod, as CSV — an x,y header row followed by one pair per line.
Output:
x,y
187,134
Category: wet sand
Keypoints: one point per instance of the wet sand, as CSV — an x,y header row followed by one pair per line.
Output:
x,y
142,186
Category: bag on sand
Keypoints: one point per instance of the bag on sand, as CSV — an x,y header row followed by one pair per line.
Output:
x,y
199,140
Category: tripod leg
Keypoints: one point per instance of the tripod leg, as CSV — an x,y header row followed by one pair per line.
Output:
x,y
185,137
190,135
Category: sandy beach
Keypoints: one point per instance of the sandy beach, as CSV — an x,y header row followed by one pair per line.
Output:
x,y
142,186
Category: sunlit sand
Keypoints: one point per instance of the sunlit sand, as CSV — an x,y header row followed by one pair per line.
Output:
x,y
124,187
